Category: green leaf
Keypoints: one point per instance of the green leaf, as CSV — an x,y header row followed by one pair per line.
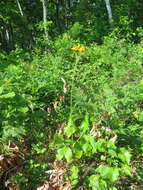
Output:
x,y
1,89
141,116
125,156
69,131
93,144
74,171
78,153
85,124
108,172
104,170
111,145
114,174
112,153
86,147
68,154
23,109
113,188
60,153
103,157
70,128
101,145
126,170
10,131
58,139
8,95
94,182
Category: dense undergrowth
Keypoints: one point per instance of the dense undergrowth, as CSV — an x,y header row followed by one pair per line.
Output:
x,y
72,118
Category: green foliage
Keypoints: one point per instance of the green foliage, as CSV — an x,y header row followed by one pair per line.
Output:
x,y
83,149
79,105
67,103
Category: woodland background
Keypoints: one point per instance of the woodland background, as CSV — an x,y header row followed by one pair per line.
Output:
x,y
71,94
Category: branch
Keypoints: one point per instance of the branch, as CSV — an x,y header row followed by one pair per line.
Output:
x,y
19,6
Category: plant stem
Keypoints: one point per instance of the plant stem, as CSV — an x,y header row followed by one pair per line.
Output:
x,y
77,57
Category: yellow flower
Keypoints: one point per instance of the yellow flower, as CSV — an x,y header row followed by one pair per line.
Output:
x,y
79,48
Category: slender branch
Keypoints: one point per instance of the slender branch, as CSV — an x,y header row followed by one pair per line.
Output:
x,y
5,175
19,6
84,175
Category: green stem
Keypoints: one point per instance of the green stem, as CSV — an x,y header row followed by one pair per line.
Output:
x,y
73,77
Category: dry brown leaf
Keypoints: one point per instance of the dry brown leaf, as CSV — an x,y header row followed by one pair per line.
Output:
x,y
55,104
45,186
11,163
62,98
113,139
12,185
60,129
57,177
49,109
66,187
95,131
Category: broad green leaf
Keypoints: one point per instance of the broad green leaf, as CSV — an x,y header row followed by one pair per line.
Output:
x,y
86,147
60,153
74,182
111,145
104,170
103,157
87,137
94,182
112,153
78,153
74,171
101,145
85,124
125,156
69,131
126,169
108,172
70,128
58,139
114,174
68,154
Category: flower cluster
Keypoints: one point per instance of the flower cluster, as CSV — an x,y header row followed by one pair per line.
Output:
x,y
79,48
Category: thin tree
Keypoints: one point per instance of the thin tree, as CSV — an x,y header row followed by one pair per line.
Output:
x,y
109,11
45,18
20,9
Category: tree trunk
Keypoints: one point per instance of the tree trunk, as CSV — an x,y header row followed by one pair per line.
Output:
x,y
45,18
6,35
29,38
58,17
109,11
